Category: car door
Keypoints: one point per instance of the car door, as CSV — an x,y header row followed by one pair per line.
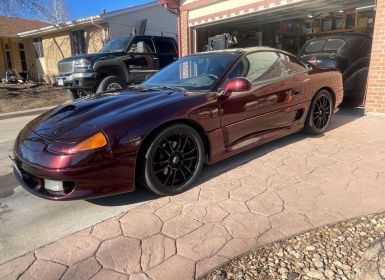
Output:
x,y
142,61
165,50
301,85
261,110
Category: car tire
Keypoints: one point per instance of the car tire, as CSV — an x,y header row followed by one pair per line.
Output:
x,y
111,83
320,113
173,160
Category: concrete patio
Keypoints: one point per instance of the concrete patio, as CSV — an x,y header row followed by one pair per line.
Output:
x,y
266,194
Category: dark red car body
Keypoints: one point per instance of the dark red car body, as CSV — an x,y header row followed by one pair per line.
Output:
x,y
228,125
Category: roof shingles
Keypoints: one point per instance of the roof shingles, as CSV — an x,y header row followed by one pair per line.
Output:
x,y
13,25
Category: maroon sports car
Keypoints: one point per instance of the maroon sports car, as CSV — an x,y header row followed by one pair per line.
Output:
x,y
201,109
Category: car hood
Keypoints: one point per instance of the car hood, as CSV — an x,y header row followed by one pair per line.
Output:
x,y
93,57
74,122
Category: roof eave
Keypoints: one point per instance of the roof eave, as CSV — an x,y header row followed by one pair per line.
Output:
x,y
60,27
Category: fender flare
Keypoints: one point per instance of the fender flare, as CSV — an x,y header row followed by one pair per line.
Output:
x,y
116,64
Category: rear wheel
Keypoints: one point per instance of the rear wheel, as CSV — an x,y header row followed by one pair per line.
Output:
x,y
320,112
111,83
173,160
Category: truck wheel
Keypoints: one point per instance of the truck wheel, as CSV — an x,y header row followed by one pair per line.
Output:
x,y
77,93
111,83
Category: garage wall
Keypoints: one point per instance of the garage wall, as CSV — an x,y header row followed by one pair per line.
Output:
x,y
375,98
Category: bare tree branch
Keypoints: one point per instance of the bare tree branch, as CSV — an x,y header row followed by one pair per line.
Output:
x,y
53,11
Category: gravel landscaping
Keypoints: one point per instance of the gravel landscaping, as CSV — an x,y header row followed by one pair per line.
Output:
x,y
349,250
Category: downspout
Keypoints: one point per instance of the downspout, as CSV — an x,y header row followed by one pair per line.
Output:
x,y
101,27
179,35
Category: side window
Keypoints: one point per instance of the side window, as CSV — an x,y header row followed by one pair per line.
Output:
x,y
293,65
263,66
164,45
141,45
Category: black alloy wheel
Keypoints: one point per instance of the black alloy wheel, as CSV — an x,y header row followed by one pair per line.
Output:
x,y
173,160
320,112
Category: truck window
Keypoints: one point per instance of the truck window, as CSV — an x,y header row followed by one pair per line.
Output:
x,y
164,45
334,44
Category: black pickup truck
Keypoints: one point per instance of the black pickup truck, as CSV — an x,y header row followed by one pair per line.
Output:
x,y
122,61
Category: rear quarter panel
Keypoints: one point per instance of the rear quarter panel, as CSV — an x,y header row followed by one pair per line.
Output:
x,y
330,79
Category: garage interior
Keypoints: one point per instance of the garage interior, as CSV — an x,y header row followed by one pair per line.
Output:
x,y
289,27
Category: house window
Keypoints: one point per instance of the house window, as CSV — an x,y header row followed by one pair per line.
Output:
x,y
78,42
8,57
38,44
23,60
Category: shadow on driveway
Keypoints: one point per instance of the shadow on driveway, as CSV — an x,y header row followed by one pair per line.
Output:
x,y
342,118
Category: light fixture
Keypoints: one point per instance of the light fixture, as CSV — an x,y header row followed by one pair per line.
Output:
x,y
310,16
366,7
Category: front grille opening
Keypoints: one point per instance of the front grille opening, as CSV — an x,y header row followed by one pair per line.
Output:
x,y
68,187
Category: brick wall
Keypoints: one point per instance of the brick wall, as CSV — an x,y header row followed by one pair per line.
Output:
x,y
375,98
185,40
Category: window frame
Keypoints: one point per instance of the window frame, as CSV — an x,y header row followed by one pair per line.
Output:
x,y
137,39
82,46
38,46
299,61
156,41
267,82
8,52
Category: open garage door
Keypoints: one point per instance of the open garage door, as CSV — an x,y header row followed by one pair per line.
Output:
x,y
290,27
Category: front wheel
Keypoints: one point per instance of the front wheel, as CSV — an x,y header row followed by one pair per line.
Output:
x,y
173,160
111,83
76,93
320,112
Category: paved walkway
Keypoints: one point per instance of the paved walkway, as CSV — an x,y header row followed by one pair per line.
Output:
x,y
281,189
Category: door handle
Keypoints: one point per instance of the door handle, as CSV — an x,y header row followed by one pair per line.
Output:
x,y
295,91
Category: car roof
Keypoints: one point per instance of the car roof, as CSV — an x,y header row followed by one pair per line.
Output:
x,y
343,35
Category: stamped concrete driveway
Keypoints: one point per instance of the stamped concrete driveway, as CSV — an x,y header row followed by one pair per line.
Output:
x,y
272,192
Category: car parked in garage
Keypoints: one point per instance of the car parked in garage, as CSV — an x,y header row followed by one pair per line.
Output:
x,y
350,53
201,109
120,62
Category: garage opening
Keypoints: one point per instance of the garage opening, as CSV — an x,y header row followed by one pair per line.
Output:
x,y
291,27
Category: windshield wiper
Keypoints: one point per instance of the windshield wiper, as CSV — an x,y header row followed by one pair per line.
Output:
x,y
168,88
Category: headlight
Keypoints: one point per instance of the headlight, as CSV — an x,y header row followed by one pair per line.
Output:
x,y
94,142
82,62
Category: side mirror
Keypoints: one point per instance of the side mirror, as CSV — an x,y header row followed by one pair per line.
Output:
x,y
236,85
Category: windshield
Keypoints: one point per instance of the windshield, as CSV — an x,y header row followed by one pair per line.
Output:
x,y
196,72
116,45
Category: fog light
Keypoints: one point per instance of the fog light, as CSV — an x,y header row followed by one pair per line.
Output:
x,y
55,186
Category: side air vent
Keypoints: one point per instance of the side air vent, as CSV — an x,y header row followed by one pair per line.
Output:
x,y
298,114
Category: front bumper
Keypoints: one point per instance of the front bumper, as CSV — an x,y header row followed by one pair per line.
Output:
x,y
102,178
86,80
